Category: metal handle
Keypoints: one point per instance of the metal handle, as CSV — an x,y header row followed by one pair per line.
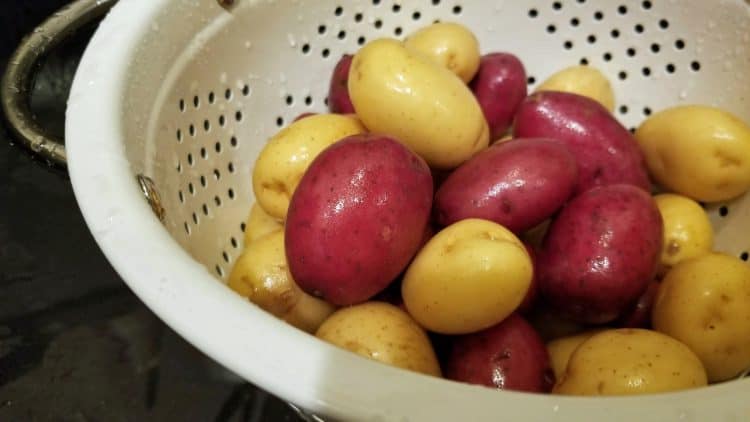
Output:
x,y
18,79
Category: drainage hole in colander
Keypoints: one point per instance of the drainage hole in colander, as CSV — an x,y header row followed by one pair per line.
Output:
x,y
217,147
325,101
378,23
598,15
622,75
179,135
204,207
203,153
655,48
228,94
325,53
242,227
457,9
646,111
591,39
646,71
305,48
217,201
217,174
632,130
663,24
179,168
233,142
607,56
557,5
361,40
341,35
396,8
679,44
435,2
622,9
195,218
584,61
230,167
191,130
211,97
575,22
289,100
181,196
279,121
203,181
671,68
646,4
181,105
551,29
744,256
338,11
230,192
581,1
615,33
695,66
187,228
623,109
630,52
206,125
568,45
308,100
357,17
533,13
225,256
322,29
246,90
219,271
196,102
398,31
190,158
238,116
531,80
638,28
416,15
234,242
222,120
191,188
723,211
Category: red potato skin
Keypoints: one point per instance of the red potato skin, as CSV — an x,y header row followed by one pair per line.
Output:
x,y
357,218
600,253
499,86
338,92
605,150
517,184
507,356
303,115
639,315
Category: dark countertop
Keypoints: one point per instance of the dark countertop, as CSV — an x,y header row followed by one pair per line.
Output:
x,y
75,343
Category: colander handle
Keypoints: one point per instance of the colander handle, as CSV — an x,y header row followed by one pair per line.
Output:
x,y
17,82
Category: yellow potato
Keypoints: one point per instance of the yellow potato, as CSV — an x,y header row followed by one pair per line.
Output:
x,y
283,161
582,80
259,224
630,361
449,44
404,94
561,349
698,151
384,333
468,277
705,303
261,275
687,230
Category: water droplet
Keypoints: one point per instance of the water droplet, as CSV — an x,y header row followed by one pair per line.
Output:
x,y
248,44
292,41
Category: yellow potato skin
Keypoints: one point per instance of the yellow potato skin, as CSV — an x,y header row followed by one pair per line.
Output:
x,y
687,230
259,224
698,151
384,333
630,361
468,277
582,80
561,349
705,303
449,44
283,161
402,93
261,275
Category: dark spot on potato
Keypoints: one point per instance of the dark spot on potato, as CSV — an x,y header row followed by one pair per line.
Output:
x,y
600,387
506,206
673,248
724,298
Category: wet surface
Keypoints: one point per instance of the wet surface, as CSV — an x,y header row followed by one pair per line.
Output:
x,y
75,343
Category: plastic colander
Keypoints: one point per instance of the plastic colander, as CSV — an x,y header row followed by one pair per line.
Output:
x,y
176,98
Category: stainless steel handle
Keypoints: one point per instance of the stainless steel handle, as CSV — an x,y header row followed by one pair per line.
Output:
x,y
18,79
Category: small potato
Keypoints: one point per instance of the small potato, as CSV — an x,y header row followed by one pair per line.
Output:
x,y
259,224
338,91
560,350
261,275
698,151
705,303
449,44
468,277
384,333
582,80
630,361
286,156
500,86
402,93
687,230
639,314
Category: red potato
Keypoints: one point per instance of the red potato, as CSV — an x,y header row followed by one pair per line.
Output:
x,y
528,301
338,92
499,86
639,315
508,356
517,184
600,253
605,151
357,218
303,115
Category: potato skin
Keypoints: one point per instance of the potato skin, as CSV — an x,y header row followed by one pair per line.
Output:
x,y
404,94
605,151
338,91
705,303
582,80
259,224
384,333
468,277
507,356
600,253
630,361
699,151
560,350
499,86
261,274
357,218
687,230
517,184
449,44
282,162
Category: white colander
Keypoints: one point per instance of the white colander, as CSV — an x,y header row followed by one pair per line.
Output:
x,y
186,92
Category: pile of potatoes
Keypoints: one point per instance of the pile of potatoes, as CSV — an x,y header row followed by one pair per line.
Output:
x,y
442,220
